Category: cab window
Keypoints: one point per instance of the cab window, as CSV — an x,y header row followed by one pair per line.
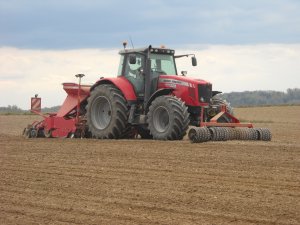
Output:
x,y
134,74
163,64
121,66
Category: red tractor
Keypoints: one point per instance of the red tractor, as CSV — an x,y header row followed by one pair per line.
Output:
x,y
149,96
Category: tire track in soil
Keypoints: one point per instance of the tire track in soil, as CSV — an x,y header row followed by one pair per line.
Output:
x,y
131,206
59,181
207,179
117,172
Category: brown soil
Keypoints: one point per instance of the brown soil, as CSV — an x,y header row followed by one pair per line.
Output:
x,y
80,181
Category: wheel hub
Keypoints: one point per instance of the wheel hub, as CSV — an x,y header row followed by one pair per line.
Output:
x,y
101,112
161,119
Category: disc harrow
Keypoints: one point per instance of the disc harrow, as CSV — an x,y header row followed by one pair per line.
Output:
x,y
204,134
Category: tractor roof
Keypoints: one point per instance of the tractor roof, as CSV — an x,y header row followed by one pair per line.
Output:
x,y
145,50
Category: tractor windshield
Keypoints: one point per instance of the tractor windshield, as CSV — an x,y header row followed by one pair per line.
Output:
x,y
163,64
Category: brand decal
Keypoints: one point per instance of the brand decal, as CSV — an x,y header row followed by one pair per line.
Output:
x,y
172,83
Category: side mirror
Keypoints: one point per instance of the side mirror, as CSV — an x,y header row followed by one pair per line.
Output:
x,y
132,59
194,61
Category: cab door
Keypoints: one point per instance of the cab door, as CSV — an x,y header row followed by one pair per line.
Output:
x,y
134,72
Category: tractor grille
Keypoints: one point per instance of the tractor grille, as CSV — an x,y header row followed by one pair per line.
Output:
x,y
205,92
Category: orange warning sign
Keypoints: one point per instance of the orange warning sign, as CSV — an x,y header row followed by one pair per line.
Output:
x,y
36,104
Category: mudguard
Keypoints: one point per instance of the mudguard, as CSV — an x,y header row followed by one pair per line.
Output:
x,y
120,82
159,92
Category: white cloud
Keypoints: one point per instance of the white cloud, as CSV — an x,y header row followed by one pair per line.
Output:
x,y
24,72
249,67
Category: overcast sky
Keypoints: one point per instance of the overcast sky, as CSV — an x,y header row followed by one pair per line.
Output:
x,y
240,44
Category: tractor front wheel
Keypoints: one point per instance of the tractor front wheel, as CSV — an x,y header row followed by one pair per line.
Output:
x,y
168,118
107,113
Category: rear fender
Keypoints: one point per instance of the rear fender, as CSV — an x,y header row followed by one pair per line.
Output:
x,y
122,84
159,92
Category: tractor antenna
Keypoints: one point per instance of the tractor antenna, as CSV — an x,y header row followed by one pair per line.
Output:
x,y
131,42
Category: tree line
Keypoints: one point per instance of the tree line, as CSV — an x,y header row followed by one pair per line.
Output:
x,y
262,98
14,109
245,98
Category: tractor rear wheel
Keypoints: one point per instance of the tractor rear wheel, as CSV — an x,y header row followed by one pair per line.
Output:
x,y
168,118
107,113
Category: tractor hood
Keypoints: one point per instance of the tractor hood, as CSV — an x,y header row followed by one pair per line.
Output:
x,y
194,92
172,81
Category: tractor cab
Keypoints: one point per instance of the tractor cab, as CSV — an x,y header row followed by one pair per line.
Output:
x,y
142,68
144,65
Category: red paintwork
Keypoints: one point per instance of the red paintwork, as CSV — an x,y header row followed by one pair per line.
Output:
x,y
187,89
187,92
213,121
60,126
70,102
58,123
217,124
63,123
123,84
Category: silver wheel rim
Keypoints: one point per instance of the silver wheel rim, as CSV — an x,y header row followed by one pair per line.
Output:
x,y
161,119
101,112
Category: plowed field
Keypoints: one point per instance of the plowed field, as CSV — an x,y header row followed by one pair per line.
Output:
x,y
87,181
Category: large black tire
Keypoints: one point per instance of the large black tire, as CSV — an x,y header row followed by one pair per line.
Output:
x,y
193,135
213,133
215,108
264,134
199,134
168,118
107,113
218,101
